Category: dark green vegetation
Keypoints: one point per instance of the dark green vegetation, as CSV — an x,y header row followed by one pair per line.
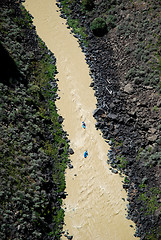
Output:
x,y
151,155
73,22
88,4
124,54
144,20
33,147
98,26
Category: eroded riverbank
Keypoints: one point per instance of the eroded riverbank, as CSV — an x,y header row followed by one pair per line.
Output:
x,y
94,207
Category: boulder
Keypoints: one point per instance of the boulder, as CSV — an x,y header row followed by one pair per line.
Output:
x,y
112,116
128,88
114,171
70,151
92,84
60,119
152,138
70,166
98,112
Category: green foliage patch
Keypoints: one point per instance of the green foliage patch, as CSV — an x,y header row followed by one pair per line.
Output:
x,y
151,156
155,234
74,23
149,200
110,22
98,26
122,162
66,6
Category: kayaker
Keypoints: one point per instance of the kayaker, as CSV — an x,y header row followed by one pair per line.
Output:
x,y
83,125
85,154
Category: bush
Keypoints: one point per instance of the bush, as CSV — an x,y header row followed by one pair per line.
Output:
x,y
88,4
110,21
98,26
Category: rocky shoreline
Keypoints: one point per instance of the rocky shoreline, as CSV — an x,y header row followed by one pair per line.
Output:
x,y
128,106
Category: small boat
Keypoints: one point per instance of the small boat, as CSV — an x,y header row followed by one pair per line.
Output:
x,y
85,154
83,125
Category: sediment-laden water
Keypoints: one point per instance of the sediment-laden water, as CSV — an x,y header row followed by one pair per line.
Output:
x,y
94,208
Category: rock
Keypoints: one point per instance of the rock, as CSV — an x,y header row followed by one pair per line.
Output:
x,y
98,111
114,171
70,237
112,116
92,84
128,88
112,105
129,121
152,138
125,186
159,103
116,132
97,125
134,99
70,151
62,145
152,130
117,100
144,180
110,143
148,87
70,166
132,113
60,119
63,195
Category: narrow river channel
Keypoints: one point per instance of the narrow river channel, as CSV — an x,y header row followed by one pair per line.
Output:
x,y
94,208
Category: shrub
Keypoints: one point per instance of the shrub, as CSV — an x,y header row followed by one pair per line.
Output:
x,y
98,26
88,4
110,21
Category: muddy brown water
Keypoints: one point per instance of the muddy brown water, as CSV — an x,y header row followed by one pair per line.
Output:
x,y
94,208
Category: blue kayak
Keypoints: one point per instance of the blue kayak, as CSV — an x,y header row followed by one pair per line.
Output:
x,y
85,154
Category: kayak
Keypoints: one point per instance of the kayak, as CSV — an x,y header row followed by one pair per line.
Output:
x,y
85,154
83,125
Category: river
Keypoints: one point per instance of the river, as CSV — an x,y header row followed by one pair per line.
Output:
x,y
94,208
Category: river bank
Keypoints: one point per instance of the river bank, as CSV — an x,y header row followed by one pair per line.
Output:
x,y
34,147
126,81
